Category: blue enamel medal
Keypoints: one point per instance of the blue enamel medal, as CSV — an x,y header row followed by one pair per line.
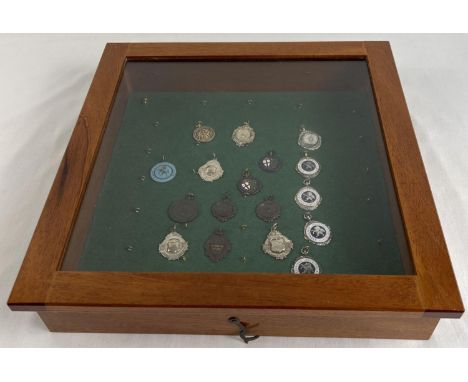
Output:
x,y
163,172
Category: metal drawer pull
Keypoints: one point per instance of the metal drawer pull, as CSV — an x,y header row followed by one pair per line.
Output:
x,y
242,330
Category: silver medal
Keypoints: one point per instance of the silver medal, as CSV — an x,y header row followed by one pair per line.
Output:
x,y
173,246
309,140
203,133
276,244
305,265
309,168
243,135
308,198
317,232
211,171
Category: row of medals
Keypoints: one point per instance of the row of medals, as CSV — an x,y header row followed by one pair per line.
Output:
x,y
277,245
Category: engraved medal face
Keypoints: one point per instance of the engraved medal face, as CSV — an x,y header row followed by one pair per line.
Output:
x,y
277,245
318,233
309,140
268,210
243,135
173,246
249,185
305,265
183,210
308,167
223,209
202,133
308,198
211,171
163,172
270,162
217,246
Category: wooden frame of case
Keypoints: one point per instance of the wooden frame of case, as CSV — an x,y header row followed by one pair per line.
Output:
x,y
376,306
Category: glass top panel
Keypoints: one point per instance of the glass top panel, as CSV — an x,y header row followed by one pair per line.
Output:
x,y
321,201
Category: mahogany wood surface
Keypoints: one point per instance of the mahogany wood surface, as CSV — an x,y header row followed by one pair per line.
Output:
x,y
432,291
257,321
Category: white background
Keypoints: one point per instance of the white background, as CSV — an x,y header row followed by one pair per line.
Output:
x,y
44,80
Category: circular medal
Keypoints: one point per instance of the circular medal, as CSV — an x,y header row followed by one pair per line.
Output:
x,y
211,171
173,246
270,162
202,133
223,209
183,210
308,198
276,244
305,265
268,210
217,246
318,233
163,172
308,167
243,135
249,185
309,140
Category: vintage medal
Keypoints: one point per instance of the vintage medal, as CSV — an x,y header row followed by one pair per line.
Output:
x,y
308,198
309,140
309,168
268,210
202,133
173,246
163,172
217,246
243,135
224,209
305,265
270,162
211,170
183,210
316,232
249,185
276,244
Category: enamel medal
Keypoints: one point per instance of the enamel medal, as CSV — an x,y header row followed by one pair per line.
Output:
x,y
217,246
305,265
276,244
270,162
308,198
307,167
163,172
183,210
316,232
243,135
309,140
173,246
249,185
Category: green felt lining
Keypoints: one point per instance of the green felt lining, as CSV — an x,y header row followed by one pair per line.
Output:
x,y
351,182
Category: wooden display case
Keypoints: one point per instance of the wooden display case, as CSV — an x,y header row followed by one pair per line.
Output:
x,y
93,265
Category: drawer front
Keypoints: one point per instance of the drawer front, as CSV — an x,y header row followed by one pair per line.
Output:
x,y
261,322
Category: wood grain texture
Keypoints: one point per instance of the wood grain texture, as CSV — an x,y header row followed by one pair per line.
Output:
x,y
233,289
263,322
436,281
51,236
242,51
432,291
